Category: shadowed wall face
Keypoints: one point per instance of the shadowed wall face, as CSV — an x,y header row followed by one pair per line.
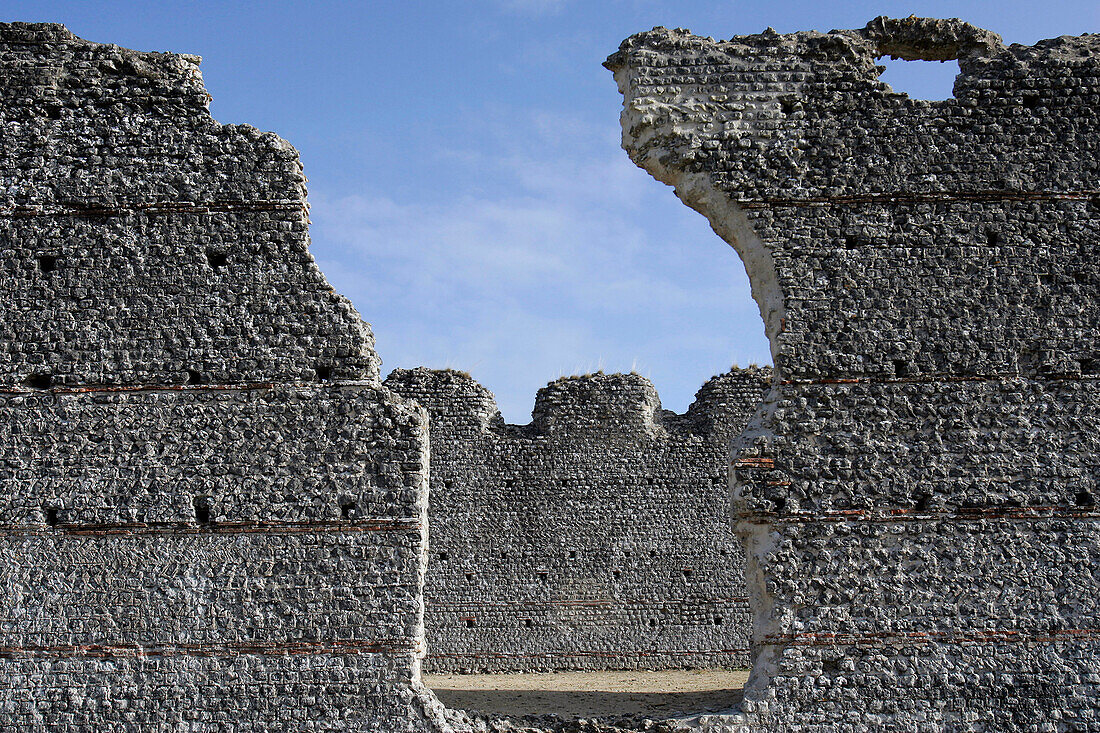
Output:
x,y
597,537
919,494
212,512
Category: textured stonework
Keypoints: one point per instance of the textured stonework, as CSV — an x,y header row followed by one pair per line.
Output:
x,y
213,514
597,537
918,491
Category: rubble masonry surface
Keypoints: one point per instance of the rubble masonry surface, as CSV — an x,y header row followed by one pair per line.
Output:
x,y
213,514
918,491
597,537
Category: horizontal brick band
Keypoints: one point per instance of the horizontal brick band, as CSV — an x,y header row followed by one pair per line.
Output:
x,y
549,603
597,654
158,207
901,514
919,198
252,527
943,379
243,386
1001,636
209,650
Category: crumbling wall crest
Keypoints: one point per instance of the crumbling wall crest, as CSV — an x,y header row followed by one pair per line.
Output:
x,y
594,537
90,106
928,39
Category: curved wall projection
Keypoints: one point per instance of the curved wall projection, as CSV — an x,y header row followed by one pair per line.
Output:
x,y
918,490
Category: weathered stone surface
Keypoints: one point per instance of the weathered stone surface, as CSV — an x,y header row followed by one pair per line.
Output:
x,y
597,537
213,514
918,491
143,242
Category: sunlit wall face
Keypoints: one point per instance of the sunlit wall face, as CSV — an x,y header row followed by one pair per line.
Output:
x,y
471,197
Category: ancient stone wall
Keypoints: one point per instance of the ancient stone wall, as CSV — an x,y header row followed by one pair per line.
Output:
x,y
918,492
212,513
597,537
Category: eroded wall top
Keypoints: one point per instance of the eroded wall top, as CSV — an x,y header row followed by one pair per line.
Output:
x,y
144,243
766,126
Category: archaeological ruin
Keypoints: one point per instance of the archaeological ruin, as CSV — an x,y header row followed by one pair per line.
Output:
x,y
214,513
597,537
217,514
917,493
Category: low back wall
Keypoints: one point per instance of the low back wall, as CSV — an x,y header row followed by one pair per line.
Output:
x,y
596,537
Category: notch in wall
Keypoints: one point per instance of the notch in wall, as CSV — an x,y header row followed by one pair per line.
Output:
x,y
349,509
49,516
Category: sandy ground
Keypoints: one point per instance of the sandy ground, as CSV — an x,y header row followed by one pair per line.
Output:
x,y
592,694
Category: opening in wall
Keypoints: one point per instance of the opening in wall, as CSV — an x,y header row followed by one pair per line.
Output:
x,y
584,565
201,506
49,516
39,381
931,81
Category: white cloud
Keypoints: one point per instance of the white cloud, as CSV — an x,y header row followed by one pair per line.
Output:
x,y
578,260
532,7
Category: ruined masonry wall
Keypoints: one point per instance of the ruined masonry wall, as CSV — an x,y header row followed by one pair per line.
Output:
x,y
918,493
145,243
211,511
597,537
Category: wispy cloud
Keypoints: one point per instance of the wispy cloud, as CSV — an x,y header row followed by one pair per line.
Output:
x,y
578,260
532,7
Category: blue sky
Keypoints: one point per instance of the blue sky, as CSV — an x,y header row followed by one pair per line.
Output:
x,y
467,187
